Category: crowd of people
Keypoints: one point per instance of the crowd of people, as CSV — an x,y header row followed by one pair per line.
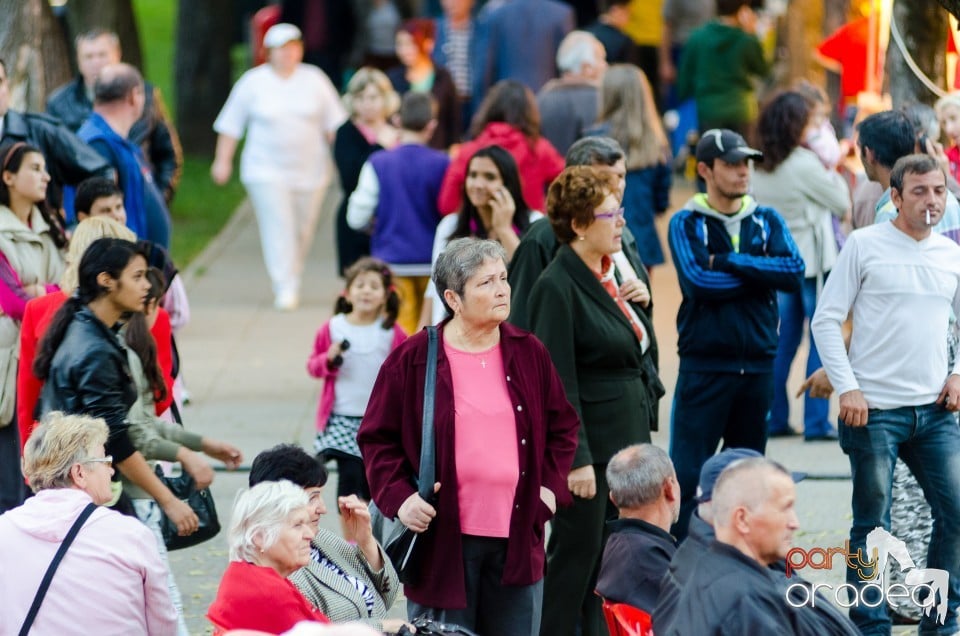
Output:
x,y
502,166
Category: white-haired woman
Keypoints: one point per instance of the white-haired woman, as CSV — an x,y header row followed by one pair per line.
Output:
x,y
269,540
113,559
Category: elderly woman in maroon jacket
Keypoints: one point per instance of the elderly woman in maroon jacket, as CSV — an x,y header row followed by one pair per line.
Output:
x,y
505,439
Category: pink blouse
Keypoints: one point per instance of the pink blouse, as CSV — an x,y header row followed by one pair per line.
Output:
x,y
485,442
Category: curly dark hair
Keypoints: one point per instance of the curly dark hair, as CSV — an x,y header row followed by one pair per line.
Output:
x,y
780,127
574,195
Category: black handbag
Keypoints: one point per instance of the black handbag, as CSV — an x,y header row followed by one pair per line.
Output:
x,y
200,500
400,542
429,627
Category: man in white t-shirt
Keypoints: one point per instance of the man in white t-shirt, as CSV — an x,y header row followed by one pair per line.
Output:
x,y
897,396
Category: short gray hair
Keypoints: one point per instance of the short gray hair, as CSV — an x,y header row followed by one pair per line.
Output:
x,y
57,444
744,483
593,151
459,261
577,49
262,511
636,475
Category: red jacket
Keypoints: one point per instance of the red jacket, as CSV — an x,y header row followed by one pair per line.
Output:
x,y
538,162
36,318
389,439
256,597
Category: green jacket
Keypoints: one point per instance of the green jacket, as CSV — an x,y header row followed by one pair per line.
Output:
x,y
719,67
613,385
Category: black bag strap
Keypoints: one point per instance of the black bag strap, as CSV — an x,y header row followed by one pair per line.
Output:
x,y
57,558
428,465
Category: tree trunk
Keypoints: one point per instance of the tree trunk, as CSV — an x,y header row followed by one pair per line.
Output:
x,y
923,26
201,70
113,15
34,52
802,31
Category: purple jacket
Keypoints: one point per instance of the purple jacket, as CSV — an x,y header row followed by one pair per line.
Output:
x,y
390,435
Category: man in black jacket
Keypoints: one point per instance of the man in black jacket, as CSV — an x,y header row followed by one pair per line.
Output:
x,y
734,583
69,160
644,488
154,132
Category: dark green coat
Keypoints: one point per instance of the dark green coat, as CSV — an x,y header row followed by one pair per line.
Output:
x,y
609,381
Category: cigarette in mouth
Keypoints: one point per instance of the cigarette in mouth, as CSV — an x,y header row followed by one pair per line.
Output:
x,y
928,216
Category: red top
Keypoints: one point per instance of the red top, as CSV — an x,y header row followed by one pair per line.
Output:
x,y
848,47
37,317
538,162
256,597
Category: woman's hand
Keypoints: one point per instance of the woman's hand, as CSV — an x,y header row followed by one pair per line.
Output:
x,y
415,513
548,498
356,517
227,453
196,466
393,625
635,291
220,171
582,482
182,516
502,208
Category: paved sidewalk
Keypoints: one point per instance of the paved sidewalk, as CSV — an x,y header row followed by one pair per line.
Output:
x,y
244,365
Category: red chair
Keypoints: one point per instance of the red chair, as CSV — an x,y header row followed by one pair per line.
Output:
x,y
626,620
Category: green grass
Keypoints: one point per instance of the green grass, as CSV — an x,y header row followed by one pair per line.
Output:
x,y
200,208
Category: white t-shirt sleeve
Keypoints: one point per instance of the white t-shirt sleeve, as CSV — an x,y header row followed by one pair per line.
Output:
x,y
334,114
440,239
836,299
363,201
232,120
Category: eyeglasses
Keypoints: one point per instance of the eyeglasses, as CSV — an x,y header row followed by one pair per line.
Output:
x,y
97,460
615,214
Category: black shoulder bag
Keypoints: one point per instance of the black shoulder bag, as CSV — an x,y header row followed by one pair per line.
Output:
x,y
399,541
51,570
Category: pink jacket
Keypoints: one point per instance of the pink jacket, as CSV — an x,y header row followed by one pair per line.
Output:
x,y
317,367
111,581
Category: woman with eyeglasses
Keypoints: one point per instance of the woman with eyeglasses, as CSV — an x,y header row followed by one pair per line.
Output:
x,y
593,315
111,580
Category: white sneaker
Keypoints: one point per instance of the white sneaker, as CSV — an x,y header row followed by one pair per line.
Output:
x,y
286,301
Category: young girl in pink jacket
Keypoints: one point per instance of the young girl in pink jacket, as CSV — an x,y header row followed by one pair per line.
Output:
x,y
347,354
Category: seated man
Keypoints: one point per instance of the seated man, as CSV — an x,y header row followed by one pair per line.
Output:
x,y
735,584
644,488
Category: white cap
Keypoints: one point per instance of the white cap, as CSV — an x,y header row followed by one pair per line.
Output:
x,y
280,34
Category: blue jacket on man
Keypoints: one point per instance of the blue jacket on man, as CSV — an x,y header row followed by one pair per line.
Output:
x,y
728,317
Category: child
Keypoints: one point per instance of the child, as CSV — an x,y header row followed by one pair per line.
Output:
x,y
948,112
397,193
347,354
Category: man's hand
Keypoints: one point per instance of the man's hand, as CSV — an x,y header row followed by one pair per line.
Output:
x,y
415,513
818,384
853,408
582,482
950,395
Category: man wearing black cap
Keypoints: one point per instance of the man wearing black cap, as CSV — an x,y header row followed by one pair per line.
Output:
x,y
731,257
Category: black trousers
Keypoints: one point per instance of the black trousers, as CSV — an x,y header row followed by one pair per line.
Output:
x,y
574,551
13,491
709,408
493,609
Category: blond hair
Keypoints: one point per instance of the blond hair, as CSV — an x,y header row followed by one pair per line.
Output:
x,y
57,444
627,106
87,231
365,76
950,99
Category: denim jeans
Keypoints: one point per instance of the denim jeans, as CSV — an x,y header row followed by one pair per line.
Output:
x,y
927,439
796,308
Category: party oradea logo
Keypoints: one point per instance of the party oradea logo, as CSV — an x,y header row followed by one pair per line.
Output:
x,y
925,588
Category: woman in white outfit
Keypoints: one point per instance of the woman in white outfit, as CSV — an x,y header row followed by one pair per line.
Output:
x,y
289,112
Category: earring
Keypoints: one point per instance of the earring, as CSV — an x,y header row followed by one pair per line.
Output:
x,y
581,238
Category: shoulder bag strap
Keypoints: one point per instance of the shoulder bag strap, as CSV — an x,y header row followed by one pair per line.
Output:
x,y
48,577
427,444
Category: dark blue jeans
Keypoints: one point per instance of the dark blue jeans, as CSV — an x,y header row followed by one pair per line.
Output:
x,y
796,309
709,408
927,439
